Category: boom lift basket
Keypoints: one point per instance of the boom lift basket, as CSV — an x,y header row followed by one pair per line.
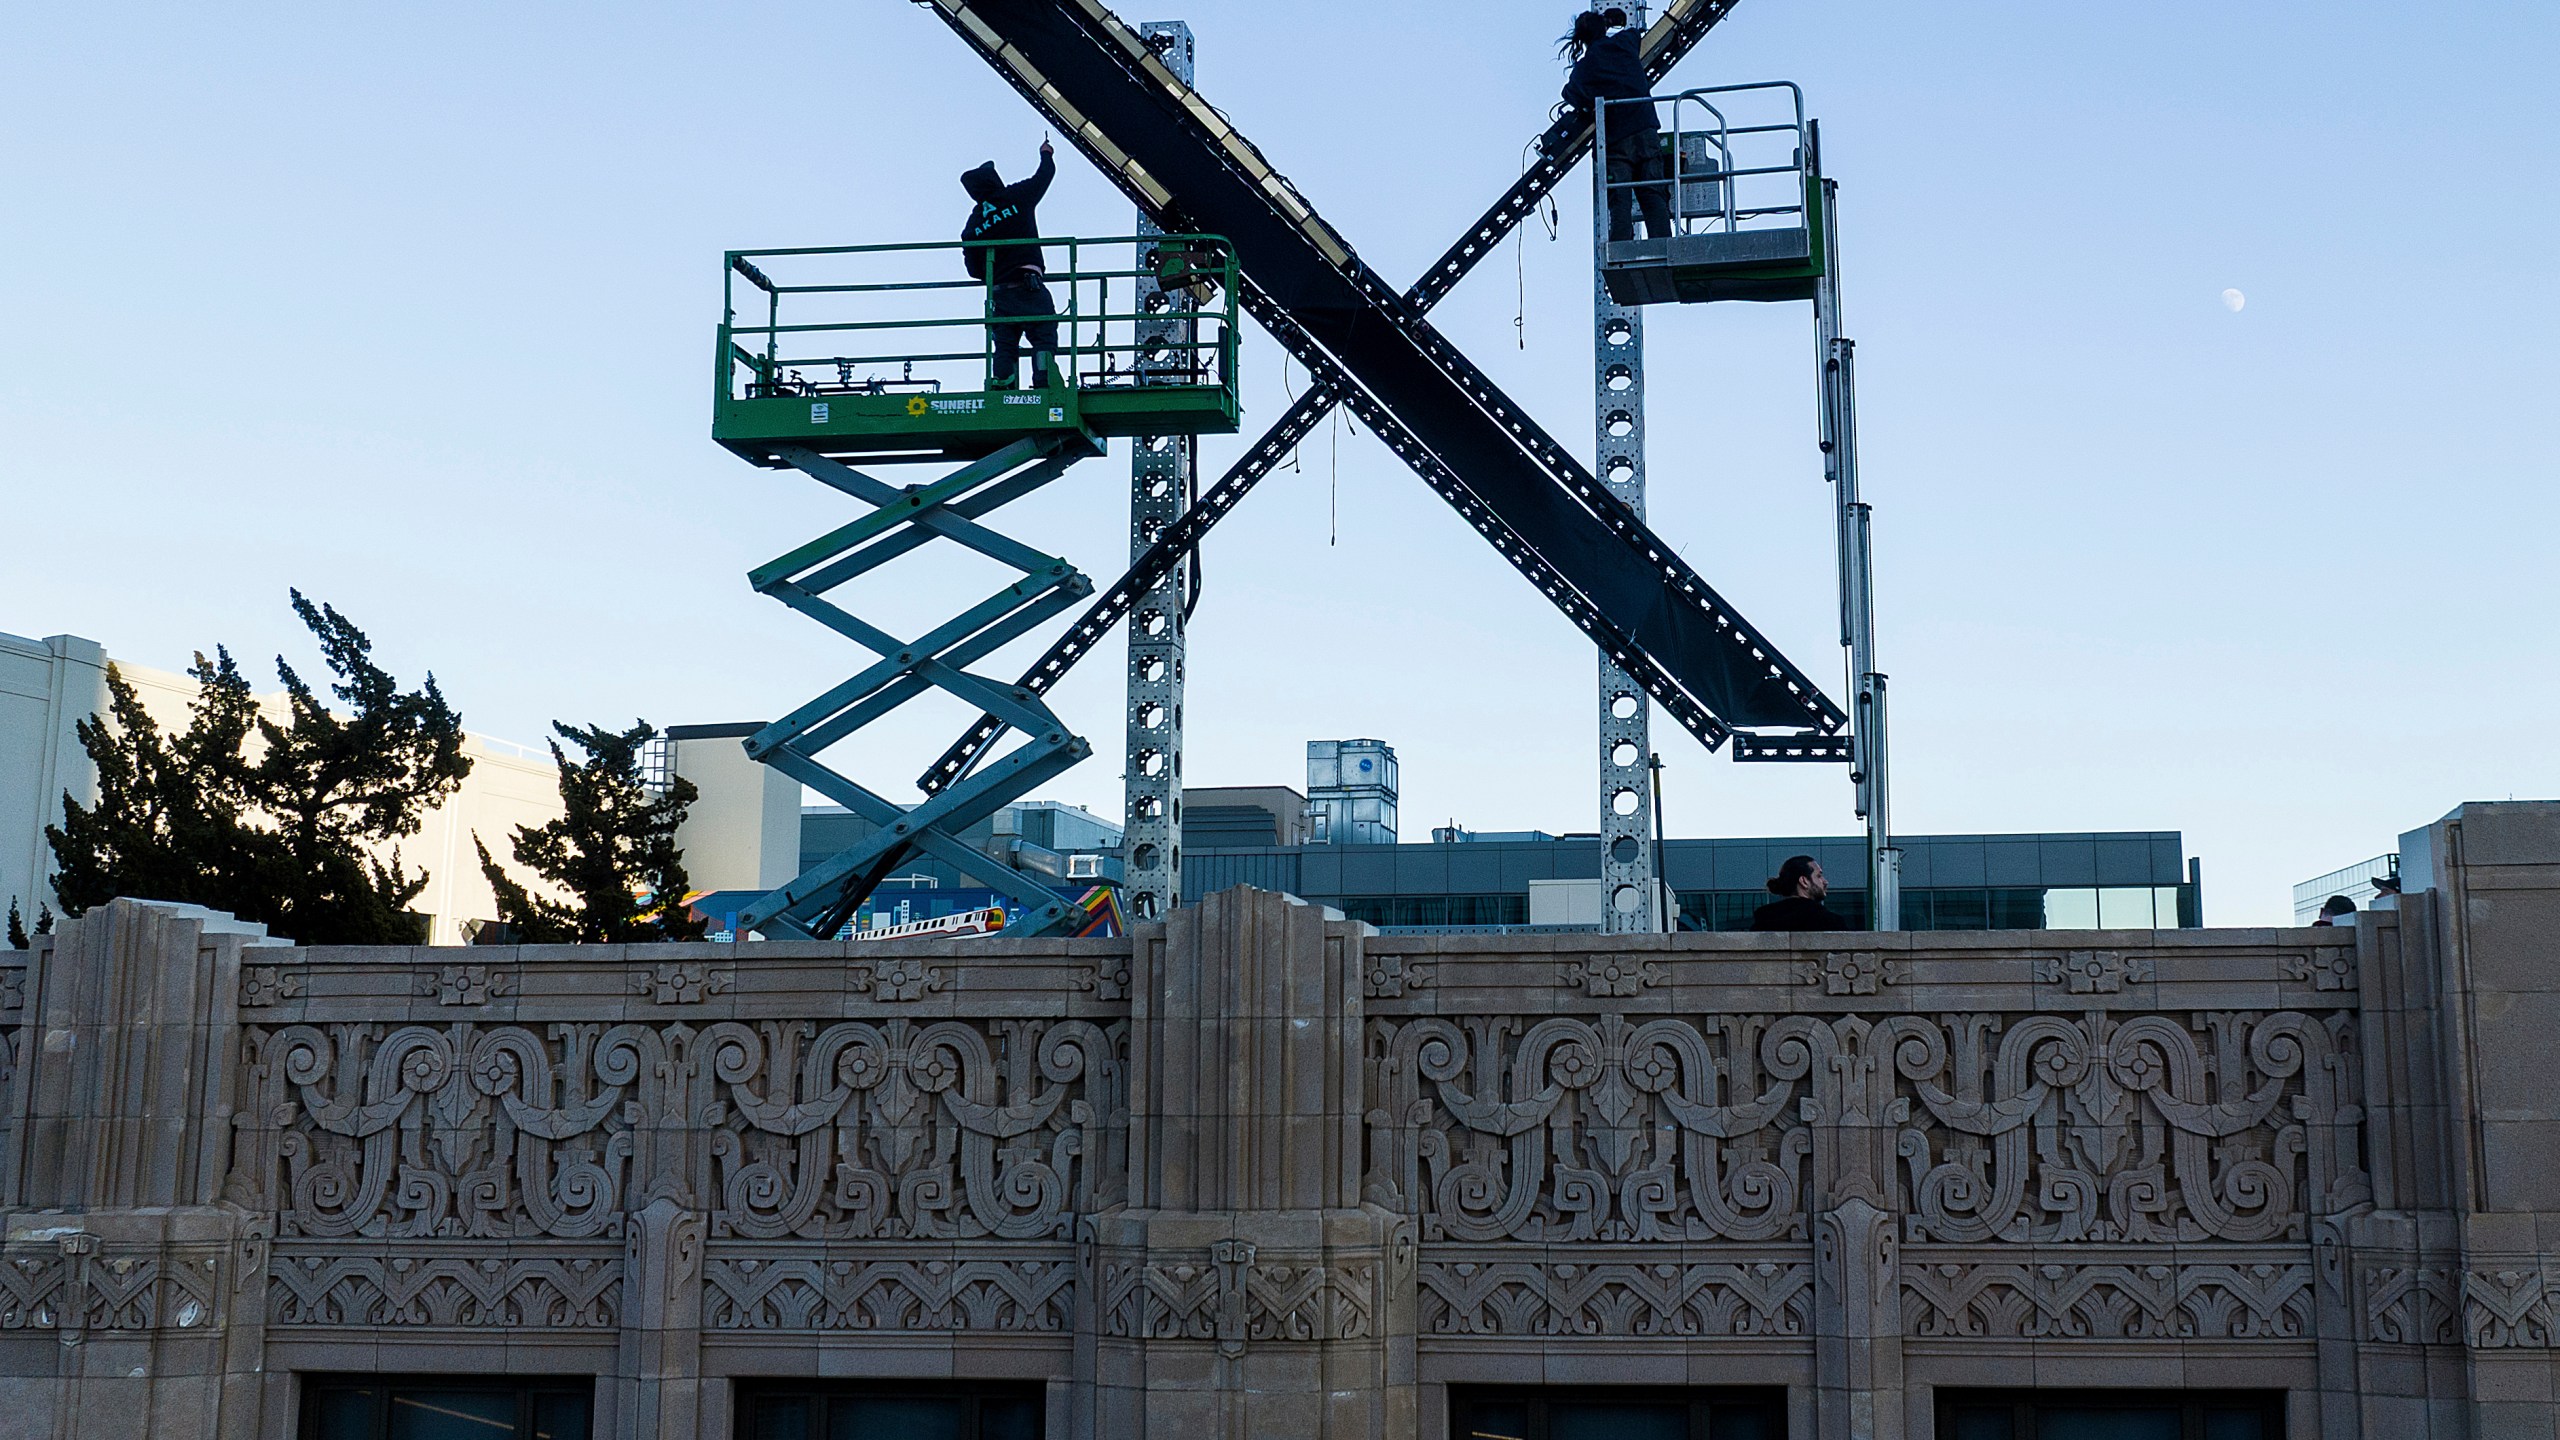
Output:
x,y
1745,196
877,351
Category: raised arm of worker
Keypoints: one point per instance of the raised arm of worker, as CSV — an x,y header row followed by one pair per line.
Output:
x,y
1028,192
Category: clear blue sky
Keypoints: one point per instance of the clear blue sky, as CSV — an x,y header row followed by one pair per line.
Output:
x,y
411,307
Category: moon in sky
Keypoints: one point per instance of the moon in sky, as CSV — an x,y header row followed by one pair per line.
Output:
x,y
2232,300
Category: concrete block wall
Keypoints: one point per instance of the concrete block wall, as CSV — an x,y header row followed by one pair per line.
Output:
x,y
1260,1171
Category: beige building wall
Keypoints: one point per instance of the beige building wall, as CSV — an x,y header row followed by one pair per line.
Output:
x,y
743,832
48,686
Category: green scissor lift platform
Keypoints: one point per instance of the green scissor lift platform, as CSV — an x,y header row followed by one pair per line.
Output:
x,y
875,352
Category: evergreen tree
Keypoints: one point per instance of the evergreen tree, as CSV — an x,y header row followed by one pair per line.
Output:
x,y
17,927
283,835
330,787
612,853
168,822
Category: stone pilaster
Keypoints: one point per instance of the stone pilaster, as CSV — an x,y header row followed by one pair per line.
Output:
x,y
658,1388
1245,1290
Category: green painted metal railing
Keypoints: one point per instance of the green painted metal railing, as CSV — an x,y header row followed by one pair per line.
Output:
x,y
844,322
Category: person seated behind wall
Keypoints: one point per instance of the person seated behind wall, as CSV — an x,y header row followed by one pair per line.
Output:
x,y
1019,306
1608,65
2335,910
1800,886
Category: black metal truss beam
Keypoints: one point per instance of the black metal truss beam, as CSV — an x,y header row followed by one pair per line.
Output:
x,y
1555,152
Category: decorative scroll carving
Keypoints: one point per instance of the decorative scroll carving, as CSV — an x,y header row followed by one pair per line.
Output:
x,y
886,1130
891,1294
2231,1126
2168,1299
1572,1129
2227,1126
2093,972
1616,1297
451,1291
13,987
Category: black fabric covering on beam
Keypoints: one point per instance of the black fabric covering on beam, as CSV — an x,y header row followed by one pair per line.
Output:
x,y
1366,328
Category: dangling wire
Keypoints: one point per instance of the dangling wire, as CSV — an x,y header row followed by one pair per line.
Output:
x,y
1289,389
1333,495
1545,208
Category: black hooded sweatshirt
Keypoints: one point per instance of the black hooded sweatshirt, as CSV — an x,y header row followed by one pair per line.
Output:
x,y
1796,913
1005,212
1613,69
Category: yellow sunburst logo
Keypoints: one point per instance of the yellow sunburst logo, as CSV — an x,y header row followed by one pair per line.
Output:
x,y
915,404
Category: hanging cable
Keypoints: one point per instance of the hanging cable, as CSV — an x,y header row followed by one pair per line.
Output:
x,y
1333,493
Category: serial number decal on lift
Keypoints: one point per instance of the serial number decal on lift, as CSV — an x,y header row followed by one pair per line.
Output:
x,y
1022,399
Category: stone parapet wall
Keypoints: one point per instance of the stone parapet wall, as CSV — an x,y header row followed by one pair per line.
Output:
x,y
1258,1170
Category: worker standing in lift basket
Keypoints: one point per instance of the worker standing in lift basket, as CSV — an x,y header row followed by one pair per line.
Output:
x,y
1019,306
1608,67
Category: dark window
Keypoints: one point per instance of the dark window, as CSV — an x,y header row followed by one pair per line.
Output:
x,y
1436,909
2017,909
446,1407
2110,1415
1577,1413
794,1410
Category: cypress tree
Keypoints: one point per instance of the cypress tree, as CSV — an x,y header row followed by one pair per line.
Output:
x,y
330,787
612,852
17,927
168,822
283,835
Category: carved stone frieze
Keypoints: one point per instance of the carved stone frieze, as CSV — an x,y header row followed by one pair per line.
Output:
x,y
463,984
1609,976
2325,969
2179,1296
680,984
1851,972
2093,972
1388,976
457,1290
1634,1295
77,1283
1233,1295
892,1129
899,979
888,1292
265,985
2219,1126
2511,1306
2407,1303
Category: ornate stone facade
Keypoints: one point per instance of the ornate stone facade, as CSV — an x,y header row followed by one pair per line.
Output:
x,y
1259,1170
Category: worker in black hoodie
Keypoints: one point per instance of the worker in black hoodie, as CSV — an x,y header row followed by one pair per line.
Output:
x,y
1799,886
1608,67
1019,306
